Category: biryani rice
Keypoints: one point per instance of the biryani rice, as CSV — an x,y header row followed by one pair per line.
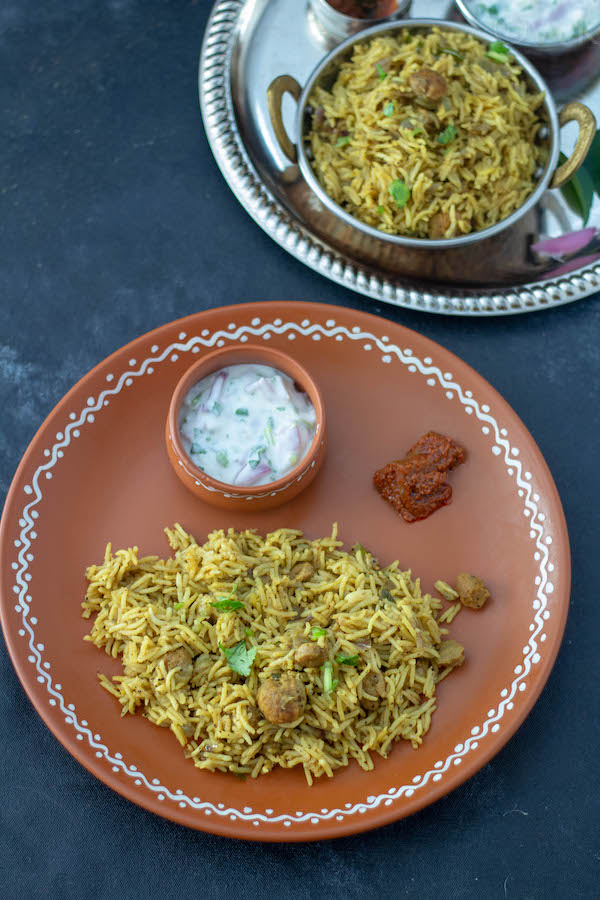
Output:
x,y
145,608
371,128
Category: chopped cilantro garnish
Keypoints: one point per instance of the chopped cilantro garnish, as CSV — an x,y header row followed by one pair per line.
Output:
x,y
381,72
498,52
347,660
196,448
222,458
217,408
242,411
329,682
177,605
224,604
227,605
400,192
447,135
255,456
248,632
239,658
380,210
317,633
342,141
388,109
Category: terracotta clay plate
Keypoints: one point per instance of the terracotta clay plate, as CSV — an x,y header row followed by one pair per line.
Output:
x,y
97,470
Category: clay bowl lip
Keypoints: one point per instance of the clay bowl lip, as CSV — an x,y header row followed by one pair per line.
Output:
x,y
229,356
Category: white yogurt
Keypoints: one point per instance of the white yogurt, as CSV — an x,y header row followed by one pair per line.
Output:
x,y
246,424
538,21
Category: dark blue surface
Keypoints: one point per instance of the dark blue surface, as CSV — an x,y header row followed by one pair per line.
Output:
x,y
115,219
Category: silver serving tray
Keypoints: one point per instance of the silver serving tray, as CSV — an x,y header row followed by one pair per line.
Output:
x,y
248,43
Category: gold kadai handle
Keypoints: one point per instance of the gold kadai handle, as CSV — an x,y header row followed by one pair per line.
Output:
x,y
575,112
283,84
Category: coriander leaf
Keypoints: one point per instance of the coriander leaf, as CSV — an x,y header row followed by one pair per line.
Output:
x,y
329,682
388,109
452,52
400,192
381,72
196,448
380,210
498,52
217,408
579,192
227,605
342,141
447,135
177,605
317,633
347,660
248,632
242,411
222,458
239,658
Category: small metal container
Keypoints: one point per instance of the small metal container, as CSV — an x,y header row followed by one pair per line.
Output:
x,y
531,48
426,258
331,26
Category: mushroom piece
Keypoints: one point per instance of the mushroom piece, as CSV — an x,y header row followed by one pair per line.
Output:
x,y
451,653
310,655
302,571
181,658
472,590
428,84
282,700
373,690
438,225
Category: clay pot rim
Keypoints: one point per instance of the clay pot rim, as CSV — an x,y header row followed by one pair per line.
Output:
x,y
228,356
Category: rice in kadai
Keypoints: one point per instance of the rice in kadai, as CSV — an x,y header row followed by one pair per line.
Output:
x,y
276,651
428,134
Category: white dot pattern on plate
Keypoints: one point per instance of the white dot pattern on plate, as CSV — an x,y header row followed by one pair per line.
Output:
x,y
498,445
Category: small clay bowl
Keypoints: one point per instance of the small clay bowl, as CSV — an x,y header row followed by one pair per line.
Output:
x,y
232,496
